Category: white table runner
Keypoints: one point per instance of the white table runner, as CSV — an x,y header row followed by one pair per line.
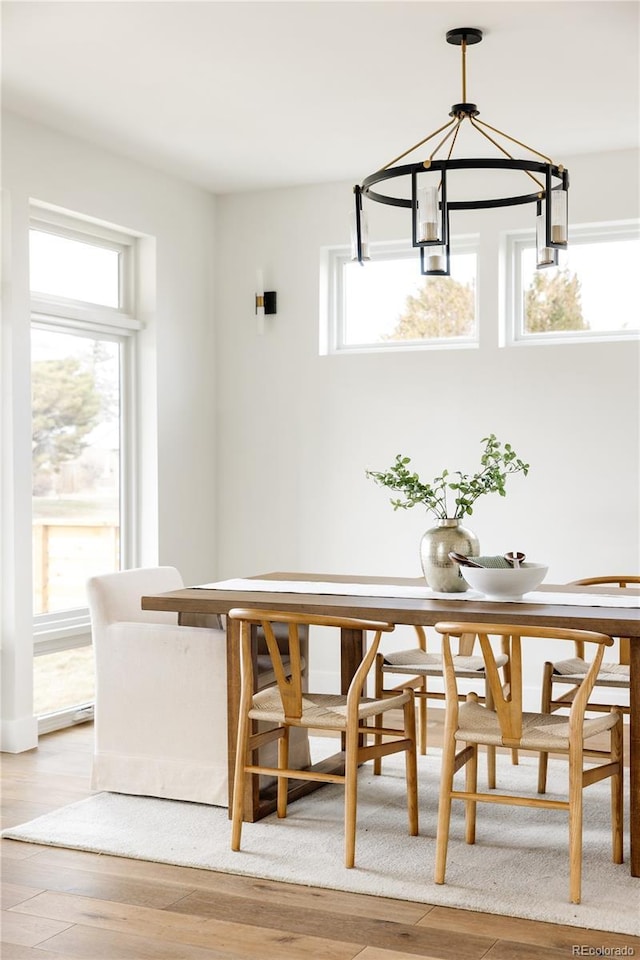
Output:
x,y
329,587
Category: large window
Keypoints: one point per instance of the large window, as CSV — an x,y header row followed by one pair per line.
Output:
x,y
387,305
589,295
82,339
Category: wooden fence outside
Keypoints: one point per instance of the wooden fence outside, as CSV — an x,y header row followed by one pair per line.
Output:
x,y
65,554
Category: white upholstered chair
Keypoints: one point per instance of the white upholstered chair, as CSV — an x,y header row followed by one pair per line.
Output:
x,y
161,694
161,697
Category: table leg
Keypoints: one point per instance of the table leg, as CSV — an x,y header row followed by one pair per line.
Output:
x,y
233,700
260,803
634,755
351,654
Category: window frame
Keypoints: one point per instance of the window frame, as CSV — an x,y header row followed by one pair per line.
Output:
x,y
332,299
513,334
83,312
67,629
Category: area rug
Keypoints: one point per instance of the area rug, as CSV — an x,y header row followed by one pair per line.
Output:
x,y
518,866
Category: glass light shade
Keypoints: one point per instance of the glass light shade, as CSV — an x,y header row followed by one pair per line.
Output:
x,y
545,256
559,218
429,219
435,261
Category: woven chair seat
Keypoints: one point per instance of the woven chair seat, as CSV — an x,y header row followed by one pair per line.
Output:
x,y
540,731
418,662
323,710
575,670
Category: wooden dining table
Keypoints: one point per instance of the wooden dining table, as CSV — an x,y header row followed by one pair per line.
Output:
x,y
197,605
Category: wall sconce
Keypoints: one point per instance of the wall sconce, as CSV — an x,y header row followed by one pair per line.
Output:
x,y
265,301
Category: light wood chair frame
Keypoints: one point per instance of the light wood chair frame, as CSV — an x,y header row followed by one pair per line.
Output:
x,y
509,714
419,684
357,749
549,704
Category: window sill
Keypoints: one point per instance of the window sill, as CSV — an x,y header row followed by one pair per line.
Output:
x,y
52,633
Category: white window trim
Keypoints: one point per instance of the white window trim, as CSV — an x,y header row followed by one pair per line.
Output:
x,y
54,632
79,315
60,719
512,334
332,300
69,629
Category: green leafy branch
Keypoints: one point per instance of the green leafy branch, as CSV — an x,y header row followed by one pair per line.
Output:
x,y
497,463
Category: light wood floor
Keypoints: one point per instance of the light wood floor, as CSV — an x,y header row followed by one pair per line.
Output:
x,y
81,906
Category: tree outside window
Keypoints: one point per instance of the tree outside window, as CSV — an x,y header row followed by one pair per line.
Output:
x,y
443,308
65,409
591,293
75,464
553,302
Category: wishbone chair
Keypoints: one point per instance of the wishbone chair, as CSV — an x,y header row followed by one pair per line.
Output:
x,y
287,706
508,725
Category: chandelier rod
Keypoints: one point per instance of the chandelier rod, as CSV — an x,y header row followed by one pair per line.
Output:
x,y
463,47
453,143
457,120
454,133
419,144
513,140
499,146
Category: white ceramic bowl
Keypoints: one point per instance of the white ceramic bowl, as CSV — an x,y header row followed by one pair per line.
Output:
x,y
505,583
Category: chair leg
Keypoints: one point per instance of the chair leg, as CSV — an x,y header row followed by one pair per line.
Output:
x,y
491,768
350,797
422,716
378,720
491,751
506,674
617,792
283,782
576,761
444,809
239,781
471,786
411,765
545,707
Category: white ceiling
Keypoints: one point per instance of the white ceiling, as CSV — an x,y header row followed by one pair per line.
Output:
x,y
245,95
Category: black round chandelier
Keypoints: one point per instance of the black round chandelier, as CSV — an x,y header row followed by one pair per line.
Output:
x,y
432,182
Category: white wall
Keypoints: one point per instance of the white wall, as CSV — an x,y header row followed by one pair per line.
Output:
x,y
256,447
296,431
178,450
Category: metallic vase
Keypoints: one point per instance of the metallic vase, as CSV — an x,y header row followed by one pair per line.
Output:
x,y
440,572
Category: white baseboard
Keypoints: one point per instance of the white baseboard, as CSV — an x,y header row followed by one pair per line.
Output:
x,y
16,736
